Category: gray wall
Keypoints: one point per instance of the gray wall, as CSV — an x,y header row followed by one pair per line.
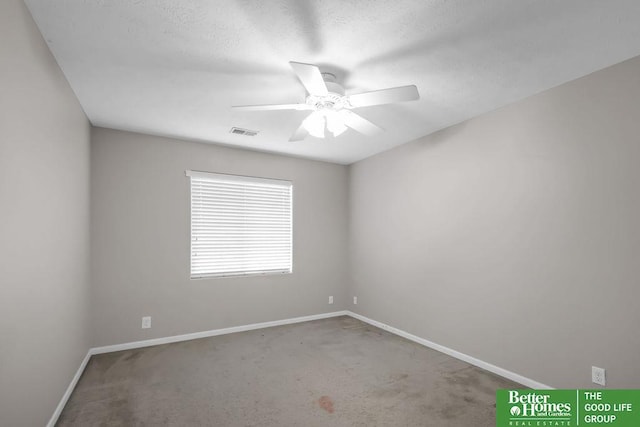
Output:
x,y
513,237
44,225
140,240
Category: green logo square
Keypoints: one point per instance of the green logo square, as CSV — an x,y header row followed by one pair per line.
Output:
x,y
562,408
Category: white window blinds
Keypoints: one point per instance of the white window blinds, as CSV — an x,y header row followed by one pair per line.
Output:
x,y
239,225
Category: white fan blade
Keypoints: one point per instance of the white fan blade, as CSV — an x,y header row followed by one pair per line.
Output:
x,y
384,96
272,107
359,123
300,133
310,78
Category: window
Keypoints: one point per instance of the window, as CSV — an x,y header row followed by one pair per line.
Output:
x,y
239,225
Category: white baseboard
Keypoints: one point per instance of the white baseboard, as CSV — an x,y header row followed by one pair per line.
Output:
x,y
528,382
54,418
212,333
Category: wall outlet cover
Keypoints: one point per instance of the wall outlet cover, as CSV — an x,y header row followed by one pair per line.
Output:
x,y
331,299
598,375
355,300
146,322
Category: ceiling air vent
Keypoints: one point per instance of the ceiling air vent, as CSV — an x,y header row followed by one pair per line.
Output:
x,y
245,132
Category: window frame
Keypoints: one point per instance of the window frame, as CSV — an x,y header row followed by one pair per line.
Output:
x,y
191,174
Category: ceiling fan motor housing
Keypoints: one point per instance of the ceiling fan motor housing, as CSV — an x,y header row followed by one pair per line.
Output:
x,y
334,100
332,85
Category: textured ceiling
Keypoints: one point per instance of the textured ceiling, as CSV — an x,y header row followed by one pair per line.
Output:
x,y
174,68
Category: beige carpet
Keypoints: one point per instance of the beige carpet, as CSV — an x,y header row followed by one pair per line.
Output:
x,y
332,372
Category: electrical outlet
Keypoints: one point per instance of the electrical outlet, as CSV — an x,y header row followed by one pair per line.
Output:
x,y
355,300
597,375
331,299
146,322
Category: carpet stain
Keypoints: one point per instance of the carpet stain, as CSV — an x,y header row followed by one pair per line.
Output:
x,y
469,399
326,403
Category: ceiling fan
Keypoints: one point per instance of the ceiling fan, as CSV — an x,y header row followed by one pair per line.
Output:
x,y
330,107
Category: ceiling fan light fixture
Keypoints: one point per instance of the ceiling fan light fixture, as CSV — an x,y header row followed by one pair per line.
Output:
x,y
315,124
335,123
